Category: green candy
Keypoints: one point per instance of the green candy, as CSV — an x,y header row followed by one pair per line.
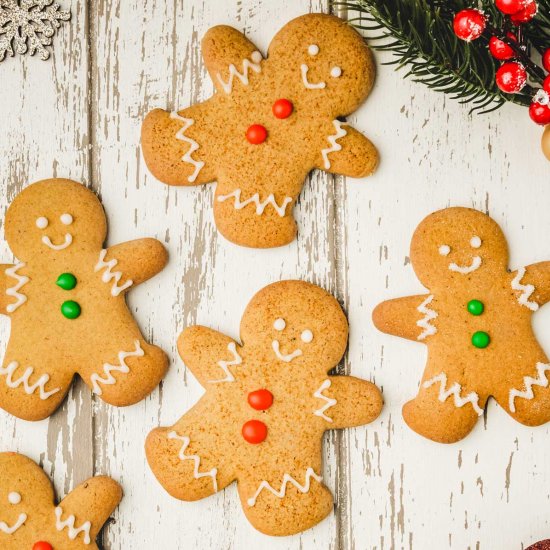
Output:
x,y
66,281
480,339
71,309
475,307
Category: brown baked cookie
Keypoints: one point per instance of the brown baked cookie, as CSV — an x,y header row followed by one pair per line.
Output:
x,y
65,297
541,545
29,518
476,322
267,404
271,121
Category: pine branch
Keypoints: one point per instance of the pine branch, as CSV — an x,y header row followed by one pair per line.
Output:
x,y
538,31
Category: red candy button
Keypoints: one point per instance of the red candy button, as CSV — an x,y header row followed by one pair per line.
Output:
x,y
254,431
256,134
282,108
42,546
260,400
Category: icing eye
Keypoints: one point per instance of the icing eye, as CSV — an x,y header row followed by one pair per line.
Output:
x,y
307,336
42,222
66,219
475,242
279,324
313,49
444,249
336,72
14,498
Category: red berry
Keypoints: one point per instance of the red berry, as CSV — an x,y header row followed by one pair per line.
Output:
x,y
526,14
256,134
546,59
546,84
254,431
260,400
499,49
469,24
511,77
41,545
510,6
539,110
282,108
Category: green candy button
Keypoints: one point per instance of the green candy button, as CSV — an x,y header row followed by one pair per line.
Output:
x,y
475,307
66,281
480,339
70,309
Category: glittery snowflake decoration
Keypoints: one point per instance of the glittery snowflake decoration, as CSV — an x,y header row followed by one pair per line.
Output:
x,y
27,26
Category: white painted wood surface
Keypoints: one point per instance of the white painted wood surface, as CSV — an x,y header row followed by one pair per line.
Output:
x,y
79,114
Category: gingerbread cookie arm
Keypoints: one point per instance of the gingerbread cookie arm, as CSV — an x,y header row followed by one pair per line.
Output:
x,y
211,356
230,58
347,152
531,285
82,513
410,317
5,284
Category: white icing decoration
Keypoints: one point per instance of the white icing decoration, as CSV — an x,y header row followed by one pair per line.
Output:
x,y
310,85
426,322
286,358
526,291
14,290
528,381
11,530
108,369
287,478
193,145
329,401
444,250
195,459
243,77
67,242
334,146
14,498
66,219
336,72
454,390
255,199
313,49
475,242
41,222
279,324
224,365
307,336
465,269
73,531
29,388
109,275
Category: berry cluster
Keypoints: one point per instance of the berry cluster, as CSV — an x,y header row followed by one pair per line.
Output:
x,y
506,44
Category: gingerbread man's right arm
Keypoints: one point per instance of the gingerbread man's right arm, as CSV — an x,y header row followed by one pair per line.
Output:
x,y
537,275
409,317
4,298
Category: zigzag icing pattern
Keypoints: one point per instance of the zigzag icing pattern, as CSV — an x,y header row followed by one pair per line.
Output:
x,y
287,478
429,316
108,369
526,291
109,275
255,199
14,290
254,65
329,401
193,145
224,365
455,390
334,146
73,531
195,459
541,380
24,380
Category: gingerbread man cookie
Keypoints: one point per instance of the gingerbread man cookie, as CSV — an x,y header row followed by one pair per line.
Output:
x,y
271,121
476,322
65,297
29,518
267,404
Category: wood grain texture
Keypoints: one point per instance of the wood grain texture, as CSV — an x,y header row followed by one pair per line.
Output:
x,y
79,114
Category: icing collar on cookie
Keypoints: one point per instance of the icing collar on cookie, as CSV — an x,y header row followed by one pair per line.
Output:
x,y
67,242
284,357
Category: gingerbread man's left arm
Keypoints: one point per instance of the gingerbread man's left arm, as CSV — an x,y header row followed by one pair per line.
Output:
x,y
537,275
4,284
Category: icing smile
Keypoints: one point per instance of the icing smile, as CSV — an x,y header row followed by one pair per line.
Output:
x,y
10,530
284,357
67,242
476,263
310,85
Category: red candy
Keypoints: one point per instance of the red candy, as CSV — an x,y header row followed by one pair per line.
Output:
x,y
256,134
42,546
260,400
254,431
282,108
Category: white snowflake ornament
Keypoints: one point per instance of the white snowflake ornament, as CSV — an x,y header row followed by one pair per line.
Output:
x,y
27,26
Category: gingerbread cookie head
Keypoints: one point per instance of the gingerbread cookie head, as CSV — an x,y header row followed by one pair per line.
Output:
x,y
457,243
52,218
29,518
541,545
266,406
